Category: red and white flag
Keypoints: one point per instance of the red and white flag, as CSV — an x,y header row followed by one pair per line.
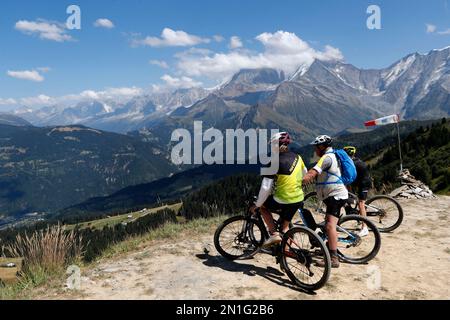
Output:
x,y
383,121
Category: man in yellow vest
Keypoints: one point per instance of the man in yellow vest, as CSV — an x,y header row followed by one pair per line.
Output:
x,y
282,193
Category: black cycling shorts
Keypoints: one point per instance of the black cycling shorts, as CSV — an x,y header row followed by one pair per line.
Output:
x,y
334,206
286,211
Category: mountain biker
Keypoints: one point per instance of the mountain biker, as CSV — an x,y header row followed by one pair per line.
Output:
x,y
330,190
281,193
361,186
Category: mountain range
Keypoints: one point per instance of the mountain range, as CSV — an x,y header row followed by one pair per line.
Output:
x,y
12,120
112,115
306,103
59,156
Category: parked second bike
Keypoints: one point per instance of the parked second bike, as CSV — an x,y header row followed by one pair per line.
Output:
x,y
384,211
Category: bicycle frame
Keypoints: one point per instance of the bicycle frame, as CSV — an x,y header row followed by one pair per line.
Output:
x,y
352,239
258,217
371,210
375,212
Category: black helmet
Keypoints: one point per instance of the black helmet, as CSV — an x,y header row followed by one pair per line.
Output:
x,y
322,141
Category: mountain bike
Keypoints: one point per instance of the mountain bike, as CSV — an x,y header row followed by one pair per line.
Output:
x,y
384,211
241,237
351,247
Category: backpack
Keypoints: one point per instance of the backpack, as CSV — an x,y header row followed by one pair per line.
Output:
x,y
347,166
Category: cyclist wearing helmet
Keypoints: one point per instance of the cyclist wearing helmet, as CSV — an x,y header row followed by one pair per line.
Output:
x,y
281,193
329,190
362,185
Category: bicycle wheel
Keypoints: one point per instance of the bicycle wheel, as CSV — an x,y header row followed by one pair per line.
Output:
x,y
239,238
351,247
299,258
385,212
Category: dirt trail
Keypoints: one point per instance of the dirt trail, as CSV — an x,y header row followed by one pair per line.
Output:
x,y
414,262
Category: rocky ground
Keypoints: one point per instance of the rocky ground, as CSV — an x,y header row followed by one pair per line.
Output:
x,y
413,263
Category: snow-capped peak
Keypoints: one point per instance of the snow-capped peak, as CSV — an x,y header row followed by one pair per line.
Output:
x,y
399,69
442,49
302,69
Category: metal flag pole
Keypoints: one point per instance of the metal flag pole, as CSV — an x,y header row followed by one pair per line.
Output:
x,y
399,144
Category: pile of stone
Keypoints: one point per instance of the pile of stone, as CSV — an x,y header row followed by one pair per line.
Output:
x,y
411,188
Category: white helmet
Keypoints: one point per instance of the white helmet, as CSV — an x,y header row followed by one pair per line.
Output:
x,y
322,140
283,138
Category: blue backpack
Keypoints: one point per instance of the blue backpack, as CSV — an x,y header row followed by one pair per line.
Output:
x,y
347,166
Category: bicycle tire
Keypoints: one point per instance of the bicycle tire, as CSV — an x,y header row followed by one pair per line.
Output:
x,y
302,255
254,245
372,228
399,220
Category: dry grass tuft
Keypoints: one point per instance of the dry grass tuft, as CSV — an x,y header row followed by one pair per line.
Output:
x,y
50,250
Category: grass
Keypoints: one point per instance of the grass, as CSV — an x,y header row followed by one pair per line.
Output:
x,y
35,281
112,221
45,255
29,281
50,249
169,231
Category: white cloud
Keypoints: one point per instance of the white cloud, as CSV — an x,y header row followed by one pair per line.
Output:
x,y
118,95
218,38
109,93
179,83
45,30
40,100
7,102
31,75
171,38
104,23
282,50
445,32
235,43
160,63
431,28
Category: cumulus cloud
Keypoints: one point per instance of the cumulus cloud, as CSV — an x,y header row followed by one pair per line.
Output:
x,y
171,38
104,23
180,83
430,28
282,50
160,63
235,43
30,75
53,31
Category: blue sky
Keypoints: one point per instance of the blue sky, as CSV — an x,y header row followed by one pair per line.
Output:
x,y
40,58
